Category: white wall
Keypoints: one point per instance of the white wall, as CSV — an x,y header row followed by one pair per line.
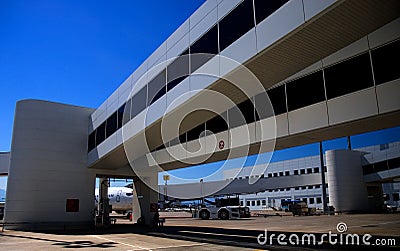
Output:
x,y
48,165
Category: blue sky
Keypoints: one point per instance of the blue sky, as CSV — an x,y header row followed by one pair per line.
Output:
x,y
79,52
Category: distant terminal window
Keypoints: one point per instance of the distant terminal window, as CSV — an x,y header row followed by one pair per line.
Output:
x,y
258,202
287,173
309,170
302,171
319,200
396,197
296,172
312,201
248,203
316,169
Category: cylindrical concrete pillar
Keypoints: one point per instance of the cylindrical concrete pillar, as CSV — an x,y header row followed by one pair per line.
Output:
x,y
347,189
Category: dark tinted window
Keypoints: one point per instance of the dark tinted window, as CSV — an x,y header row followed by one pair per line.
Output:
x,y
208,43
264,8
386,62
263,106
92,141
394,163
127,112
241,114
348,76
139,102
177,71
120,115
217,124
305,91
278,99
101,133
236,24
196,132
157,87
112,124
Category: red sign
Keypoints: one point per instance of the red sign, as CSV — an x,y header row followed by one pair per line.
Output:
x,y
221,144
153,207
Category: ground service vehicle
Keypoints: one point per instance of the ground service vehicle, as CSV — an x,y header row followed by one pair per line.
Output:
x,y
228,208
299,208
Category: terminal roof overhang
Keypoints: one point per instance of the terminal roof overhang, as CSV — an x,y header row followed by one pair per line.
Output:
x,y
336,27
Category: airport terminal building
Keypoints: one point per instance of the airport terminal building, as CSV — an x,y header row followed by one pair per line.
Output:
x,y
329,68
379,163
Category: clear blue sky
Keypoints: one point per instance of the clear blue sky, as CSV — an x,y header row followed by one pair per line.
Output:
x,y
79,52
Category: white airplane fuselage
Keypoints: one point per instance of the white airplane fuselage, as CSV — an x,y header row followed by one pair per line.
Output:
x,y
120,198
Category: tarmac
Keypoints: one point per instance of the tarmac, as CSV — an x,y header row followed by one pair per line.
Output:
x,y
241,234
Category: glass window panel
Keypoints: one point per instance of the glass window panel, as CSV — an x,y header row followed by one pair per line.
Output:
x,y
157,87
237,23
101,133
208,44
112,124
386,62
92,141
139,102
264,8
217,124
305,91
278,99
121,115
177,71
196,132
348,76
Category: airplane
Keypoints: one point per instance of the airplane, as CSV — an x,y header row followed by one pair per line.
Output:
x,y
120,198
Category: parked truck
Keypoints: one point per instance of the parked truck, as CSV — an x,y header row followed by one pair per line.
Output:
x,y
223,208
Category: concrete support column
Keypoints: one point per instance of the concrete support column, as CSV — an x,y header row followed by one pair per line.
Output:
x,y
146,197
347,189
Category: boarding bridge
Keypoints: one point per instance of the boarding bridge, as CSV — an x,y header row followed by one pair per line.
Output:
x,y
339,30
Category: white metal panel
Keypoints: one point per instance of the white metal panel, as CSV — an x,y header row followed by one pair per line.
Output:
x,y
156,110
135,125
314,7
308,118
211,68
200,82
352,106
182,31
266,129
204,25
162,156
225,6
242,49
180,46
139,77
112,107
100,119
119,139
241,135
196,148
279,24
107,145
155,70
202,12
282,128
389,96
178,152
385,34
348,51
